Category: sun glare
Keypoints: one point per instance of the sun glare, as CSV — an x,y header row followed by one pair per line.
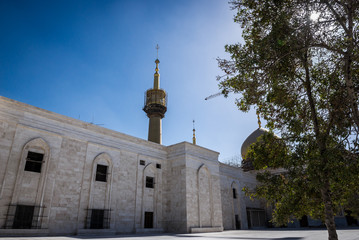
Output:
x,y
314,16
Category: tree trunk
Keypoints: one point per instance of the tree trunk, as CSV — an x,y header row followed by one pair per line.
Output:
x,y
347,24
328,208
329,214
352,97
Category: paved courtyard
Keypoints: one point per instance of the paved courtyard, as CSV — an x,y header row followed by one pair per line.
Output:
x,y
348,234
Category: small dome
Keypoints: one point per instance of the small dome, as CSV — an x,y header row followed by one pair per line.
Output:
x,y
252,138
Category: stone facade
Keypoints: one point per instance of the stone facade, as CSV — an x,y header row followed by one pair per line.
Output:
x,y
61,176
146,187
235,204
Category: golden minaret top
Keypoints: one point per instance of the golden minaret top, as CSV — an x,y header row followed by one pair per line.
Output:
x,y
156,83
155,106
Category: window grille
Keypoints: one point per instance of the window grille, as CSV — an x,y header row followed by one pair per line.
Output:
x,y
256,217
34,161
24,217
148,220
101,173
98,218
150,182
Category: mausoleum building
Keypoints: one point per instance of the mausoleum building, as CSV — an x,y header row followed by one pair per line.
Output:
x,y
60,175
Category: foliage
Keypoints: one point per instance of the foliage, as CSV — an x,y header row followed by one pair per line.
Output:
x,y
302,75
292,178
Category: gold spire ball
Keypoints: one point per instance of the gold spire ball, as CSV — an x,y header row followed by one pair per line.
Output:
x,y
155,106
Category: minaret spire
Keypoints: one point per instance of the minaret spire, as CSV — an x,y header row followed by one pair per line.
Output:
x,y
156,82
194,135
155,106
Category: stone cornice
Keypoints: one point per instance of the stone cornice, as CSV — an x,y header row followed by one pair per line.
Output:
x,y
44,120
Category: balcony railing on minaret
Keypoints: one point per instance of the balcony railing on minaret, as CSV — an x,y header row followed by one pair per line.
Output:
x,y
155,102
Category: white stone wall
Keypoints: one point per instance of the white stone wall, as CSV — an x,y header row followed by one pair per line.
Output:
x,y
192,191
234,177
66,186
176,202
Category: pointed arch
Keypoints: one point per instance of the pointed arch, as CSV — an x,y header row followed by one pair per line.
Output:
x,y
33,167
35,146
235,200
40,147
99,199
150,167
38,143
103,158
150,190
202,167
149,174
103,187
204,196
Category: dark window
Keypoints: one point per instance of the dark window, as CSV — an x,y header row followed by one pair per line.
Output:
x,y
158,166
23,217
234,193
149,182
101,173
34,162
148,220
97,217
303,221
238,223
256,217
350,218
142,162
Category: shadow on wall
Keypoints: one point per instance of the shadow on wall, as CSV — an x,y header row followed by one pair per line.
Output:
x,y
141,236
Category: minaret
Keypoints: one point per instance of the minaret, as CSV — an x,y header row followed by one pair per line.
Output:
x,y
155,107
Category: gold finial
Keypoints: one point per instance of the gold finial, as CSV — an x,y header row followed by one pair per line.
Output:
x,y
259,119
157,61
194,135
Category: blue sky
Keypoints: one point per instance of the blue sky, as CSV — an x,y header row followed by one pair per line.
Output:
x,y
94,60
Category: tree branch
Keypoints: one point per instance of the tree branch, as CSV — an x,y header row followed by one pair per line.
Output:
x,y
336,16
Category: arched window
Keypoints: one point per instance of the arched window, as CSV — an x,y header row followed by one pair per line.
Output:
x,y
98,213
205,204
26,210
35,153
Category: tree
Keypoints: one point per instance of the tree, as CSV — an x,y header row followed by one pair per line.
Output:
x,y
234,161
299,66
